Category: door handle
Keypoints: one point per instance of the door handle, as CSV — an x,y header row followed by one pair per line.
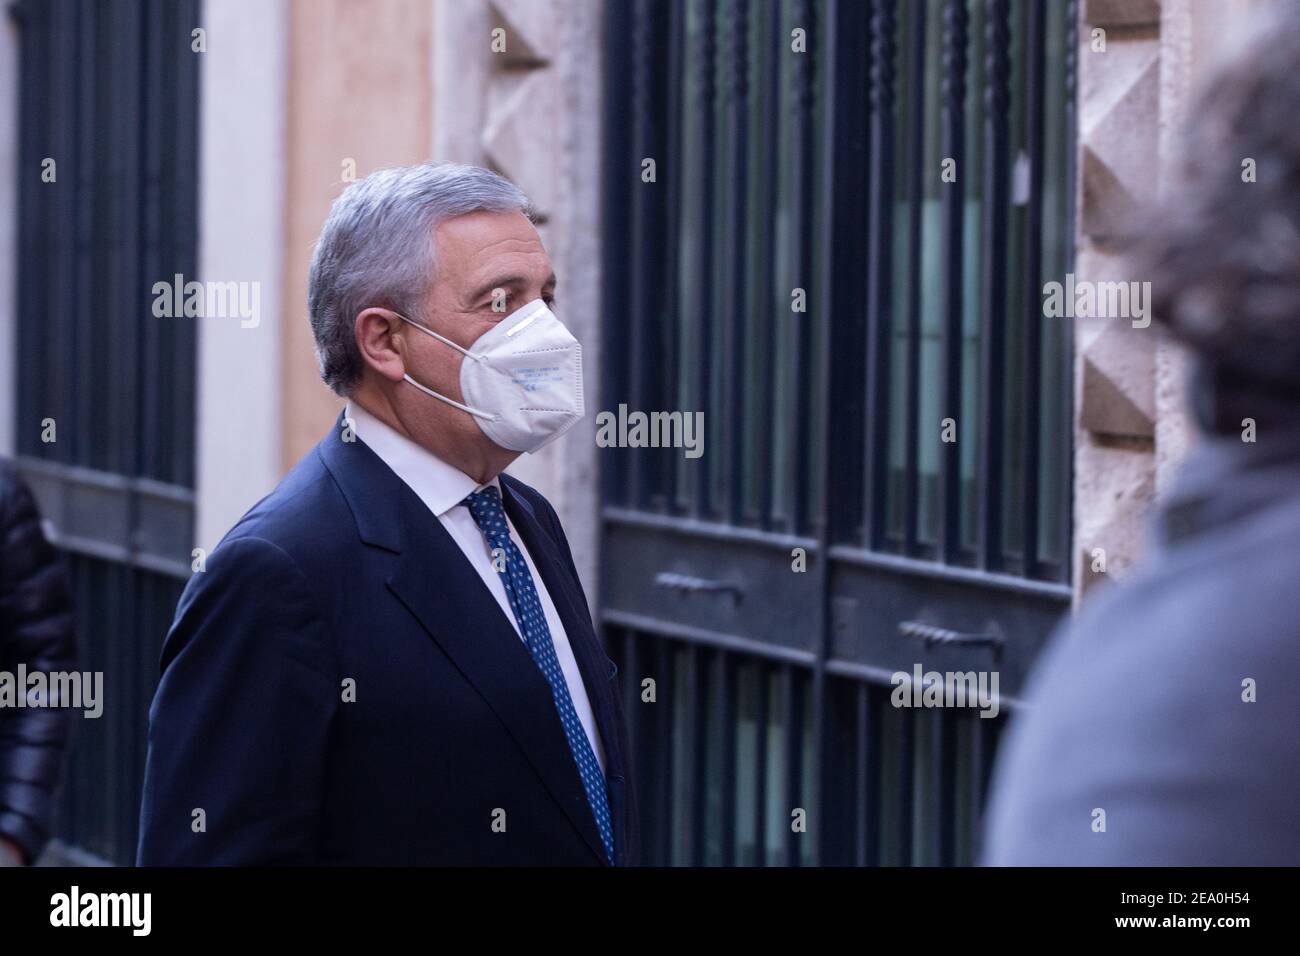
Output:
x,y
689,584
932,634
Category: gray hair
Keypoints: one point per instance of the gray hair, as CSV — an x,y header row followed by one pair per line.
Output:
x,y
377,249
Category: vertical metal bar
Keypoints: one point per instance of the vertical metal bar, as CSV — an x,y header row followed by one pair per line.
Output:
x,y
984,743
645,235
187,180
814,388
981,759
696,737
845,157
954,138
128,283
180,99
1065,514
915,165
725,682
802,219
867,756
185,358
944,772
992,730
35,216
705,61
769,304
994,292
735,293
139,680
670,316
879,269
81,783
663,721
115,627
184,352
1035,78
906,784
94,777
67,234
793,706
155,426
124,34
833,816
94,396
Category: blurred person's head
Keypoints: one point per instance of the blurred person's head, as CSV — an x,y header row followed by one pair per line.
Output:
x,y
1223,253
451,248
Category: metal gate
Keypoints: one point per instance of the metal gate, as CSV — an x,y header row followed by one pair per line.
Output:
x,y
903,171
109,95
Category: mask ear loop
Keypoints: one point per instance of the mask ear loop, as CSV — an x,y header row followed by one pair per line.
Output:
x,y
477,413
428,331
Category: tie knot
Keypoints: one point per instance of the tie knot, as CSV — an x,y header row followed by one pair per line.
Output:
x,y
485,506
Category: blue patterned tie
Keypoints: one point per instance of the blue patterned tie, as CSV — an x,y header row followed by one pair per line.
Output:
x,y
485,506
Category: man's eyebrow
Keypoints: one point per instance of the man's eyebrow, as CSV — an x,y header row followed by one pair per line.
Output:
x,y
504,282
500,282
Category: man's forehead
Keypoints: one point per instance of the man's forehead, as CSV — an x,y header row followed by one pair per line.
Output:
x,y
484,247
479,233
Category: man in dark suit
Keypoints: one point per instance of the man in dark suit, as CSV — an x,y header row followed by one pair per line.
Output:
x,y
389,659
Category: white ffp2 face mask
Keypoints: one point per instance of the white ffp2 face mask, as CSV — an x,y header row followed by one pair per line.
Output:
x,y
521,379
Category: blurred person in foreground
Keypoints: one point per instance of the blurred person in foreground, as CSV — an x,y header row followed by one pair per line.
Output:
x,y
389,659
1172,703
36,633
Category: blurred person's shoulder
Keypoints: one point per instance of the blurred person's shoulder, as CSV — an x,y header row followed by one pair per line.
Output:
x,y
1166,712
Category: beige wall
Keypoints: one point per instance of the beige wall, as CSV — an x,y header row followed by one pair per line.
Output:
x,y
359,89
242,86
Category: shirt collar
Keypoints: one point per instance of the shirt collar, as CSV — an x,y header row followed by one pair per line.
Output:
x,y
439,485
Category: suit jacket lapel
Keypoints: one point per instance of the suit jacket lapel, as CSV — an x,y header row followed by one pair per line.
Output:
x,y
593,663
437,584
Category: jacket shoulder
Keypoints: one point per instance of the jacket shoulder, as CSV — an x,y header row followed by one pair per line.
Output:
x,y
301,516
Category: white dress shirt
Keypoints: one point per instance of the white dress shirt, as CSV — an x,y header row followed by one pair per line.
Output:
x,y
443,488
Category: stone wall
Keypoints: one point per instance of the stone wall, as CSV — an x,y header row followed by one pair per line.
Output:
x,y
531,111
1131,423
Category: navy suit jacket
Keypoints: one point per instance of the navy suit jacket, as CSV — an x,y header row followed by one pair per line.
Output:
x,y
452,751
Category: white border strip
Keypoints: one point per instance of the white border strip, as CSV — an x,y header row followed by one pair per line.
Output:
x,y
242,159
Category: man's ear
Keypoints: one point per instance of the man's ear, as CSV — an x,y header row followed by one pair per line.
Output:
x,y
379,339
